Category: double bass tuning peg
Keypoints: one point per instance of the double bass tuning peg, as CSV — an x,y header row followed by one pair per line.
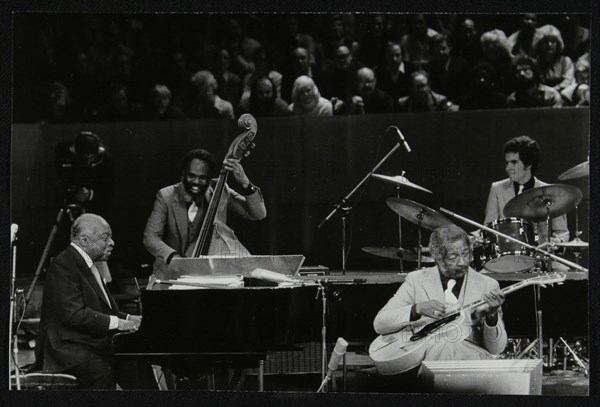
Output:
x,y
246,153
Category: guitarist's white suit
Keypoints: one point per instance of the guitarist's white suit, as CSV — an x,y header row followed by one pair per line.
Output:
x,y
423,285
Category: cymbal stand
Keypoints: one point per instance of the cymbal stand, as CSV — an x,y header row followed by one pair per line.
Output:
x,y
575,357
13,340
323,292
400,229
345,208
420,217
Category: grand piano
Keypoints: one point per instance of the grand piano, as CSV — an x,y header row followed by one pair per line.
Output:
x,y
210,325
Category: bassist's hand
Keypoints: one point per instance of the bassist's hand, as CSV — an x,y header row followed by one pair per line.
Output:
x,y
235,168
432,309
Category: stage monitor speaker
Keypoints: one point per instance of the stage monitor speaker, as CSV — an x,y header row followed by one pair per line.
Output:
x,y
502,376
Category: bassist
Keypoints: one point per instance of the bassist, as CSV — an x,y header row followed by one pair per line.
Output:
x,y
174,224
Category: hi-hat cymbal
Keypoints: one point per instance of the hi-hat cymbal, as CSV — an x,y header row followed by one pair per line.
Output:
x,y
396,253
573,244
400,180
533,204
580,170
412,211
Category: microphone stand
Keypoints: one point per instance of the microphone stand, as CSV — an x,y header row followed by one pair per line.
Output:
x,y
324,377
346,209
14,351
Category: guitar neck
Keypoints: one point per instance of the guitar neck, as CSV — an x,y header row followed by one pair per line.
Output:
x,y
505,290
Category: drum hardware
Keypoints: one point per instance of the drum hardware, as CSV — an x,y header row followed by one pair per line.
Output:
x,y
527,245
578,171
400,181
397,253
505,256
346,209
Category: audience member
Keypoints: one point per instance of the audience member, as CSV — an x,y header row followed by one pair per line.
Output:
x,y
118,107
338,79
241,47
466,41
482,90
373,45
448,75
229,85
392,76
177,77
337,35
422,98
300,65
521,41
367,98
58,107
205,102
556,69
578,94
529,91
262,67
263,101
576,38
496,51
415,44
161,106
306,99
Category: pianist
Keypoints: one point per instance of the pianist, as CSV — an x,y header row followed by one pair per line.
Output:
x,y
79,315
174,224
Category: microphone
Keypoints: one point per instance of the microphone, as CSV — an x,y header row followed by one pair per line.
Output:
x,y
402,139
336,356
270,276
14,228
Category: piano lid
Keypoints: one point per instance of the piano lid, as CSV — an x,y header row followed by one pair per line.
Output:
x,y
288,265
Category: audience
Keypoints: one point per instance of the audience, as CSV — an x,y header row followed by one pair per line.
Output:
x,y
367,98
97,67
422,98
263,101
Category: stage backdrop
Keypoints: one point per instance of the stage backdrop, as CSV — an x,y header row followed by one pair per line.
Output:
x,y
304,167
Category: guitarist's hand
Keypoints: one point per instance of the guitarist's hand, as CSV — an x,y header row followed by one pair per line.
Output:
x,y
235,168
432,309
494,300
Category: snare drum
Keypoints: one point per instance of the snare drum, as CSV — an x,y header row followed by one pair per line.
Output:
x,y
505,256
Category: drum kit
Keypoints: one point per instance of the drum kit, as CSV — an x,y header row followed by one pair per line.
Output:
x,y
505,245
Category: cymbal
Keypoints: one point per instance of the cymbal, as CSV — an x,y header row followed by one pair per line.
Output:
x,y
400,180
580,170
396,253
573,244
532,204
411,211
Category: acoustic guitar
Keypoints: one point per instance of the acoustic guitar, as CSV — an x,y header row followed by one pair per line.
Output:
x,y
405,349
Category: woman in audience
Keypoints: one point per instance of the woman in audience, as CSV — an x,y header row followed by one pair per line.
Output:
x,y
306,99
556,69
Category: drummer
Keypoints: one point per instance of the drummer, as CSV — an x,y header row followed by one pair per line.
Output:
x,y
521,158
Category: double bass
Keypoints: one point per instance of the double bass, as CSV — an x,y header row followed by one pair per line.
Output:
x,y
215,237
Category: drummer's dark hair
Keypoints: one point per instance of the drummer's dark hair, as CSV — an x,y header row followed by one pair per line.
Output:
x,y
444,235
528,149
200,154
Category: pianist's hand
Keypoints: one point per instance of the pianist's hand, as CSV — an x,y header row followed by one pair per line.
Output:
x,y
125,325
135,318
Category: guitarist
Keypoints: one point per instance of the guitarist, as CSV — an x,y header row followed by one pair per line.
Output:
x,y
176,218
431,292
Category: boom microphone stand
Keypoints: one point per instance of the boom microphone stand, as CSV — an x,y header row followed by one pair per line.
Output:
x,y
346,209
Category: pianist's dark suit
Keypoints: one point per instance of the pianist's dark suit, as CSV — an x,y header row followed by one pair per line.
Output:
x,y
74,322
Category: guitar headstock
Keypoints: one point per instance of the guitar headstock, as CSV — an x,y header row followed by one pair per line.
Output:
x,y
242,145
547,279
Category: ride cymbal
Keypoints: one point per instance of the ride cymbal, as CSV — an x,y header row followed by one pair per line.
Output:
x,y
580,170
400,180
414,211
533,204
